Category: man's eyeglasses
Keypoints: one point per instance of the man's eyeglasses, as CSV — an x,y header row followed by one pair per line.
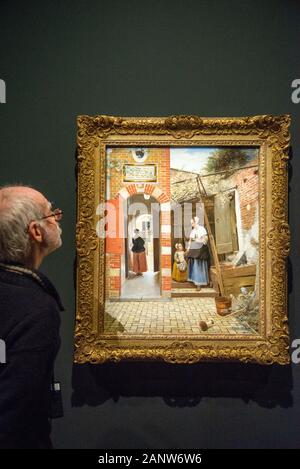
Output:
x,y
57,214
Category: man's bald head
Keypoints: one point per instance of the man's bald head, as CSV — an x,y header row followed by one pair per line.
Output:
x,y
9,194
22,229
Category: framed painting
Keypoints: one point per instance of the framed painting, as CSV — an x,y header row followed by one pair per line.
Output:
x,y
182,239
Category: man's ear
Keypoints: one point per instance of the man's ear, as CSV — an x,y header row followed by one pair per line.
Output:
x,y
35,232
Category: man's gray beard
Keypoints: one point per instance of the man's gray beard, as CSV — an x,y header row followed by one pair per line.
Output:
x,y
53,239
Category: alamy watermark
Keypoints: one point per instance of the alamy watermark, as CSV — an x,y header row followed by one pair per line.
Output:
x,y
113,224
296,93
2,91
296,353
2,351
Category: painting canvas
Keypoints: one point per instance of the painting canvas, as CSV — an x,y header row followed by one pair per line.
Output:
x,y
182,240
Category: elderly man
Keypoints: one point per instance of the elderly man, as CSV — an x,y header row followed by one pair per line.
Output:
x,y
29,316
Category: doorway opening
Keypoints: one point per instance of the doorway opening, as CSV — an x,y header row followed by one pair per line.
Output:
x,y
141,212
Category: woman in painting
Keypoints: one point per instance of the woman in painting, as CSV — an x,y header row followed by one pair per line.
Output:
x,y
198,255
139,260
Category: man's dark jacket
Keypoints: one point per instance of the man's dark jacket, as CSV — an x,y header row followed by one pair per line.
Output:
x,y
29,325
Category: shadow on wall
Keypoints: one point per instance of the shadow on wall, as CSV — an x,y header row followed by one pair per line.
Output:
x,y
182,385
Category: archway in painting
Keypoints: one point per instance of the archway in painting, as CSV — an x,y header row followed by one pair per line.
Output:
x,y
153,218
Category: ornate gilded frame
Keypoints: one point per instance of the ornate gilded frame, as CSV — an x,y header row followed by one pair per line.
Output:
x,y
271,134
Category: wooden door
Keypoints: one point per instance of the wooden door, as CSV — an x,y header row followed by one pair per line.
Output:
x,y
234,235
223,226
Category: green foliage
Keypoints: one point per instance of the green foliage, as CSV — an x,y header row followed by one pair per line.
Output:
x,y
226,159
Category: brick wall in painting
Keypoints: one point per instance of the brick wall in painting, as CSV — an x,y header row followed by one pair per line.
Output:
x,y
117,189
247,187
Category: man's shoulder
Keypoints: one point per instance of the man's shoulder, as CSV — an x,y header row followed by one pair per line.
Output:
x,y
29,319
23,283
22,297
27,312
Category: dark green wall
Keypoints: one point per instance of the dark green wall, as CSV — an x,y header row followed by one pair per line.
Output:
x,y
155,57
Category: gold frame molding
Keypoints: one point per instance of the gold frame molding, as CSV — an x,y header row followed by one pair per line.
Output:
x,y
271,134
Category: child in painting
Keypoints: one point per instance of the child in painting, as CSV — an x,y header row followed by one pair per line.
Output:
x,y
179,272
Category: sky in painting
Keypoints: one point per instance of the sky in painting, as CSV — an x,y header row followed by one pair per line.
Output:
x,y
194,159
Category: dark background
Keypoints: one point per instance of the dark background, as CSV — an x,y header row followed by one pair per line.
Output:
x,y
151,58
